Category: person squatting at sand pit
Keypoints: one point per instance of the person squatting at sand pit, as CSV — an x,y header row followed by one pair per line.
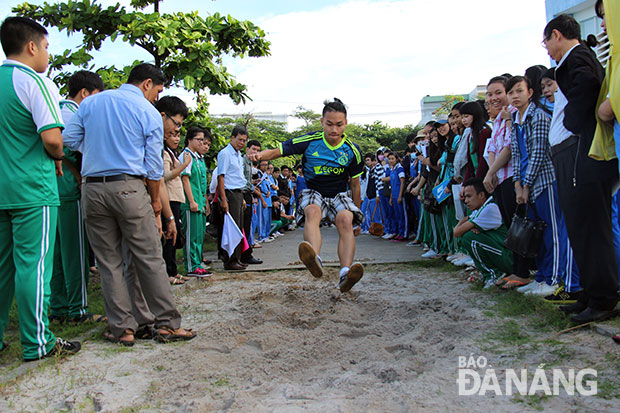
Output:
x,y
330,161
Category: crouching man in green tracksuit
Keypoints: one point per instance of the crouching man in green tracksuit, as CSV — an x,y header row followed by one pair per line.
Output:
x,y
482,233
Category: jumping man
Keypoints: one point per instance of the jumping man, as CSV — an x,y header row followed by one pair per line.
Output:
x,y
330,161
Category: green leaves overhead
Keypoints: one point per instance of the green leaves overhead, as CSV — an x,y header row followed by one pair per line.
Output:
x,y
188,47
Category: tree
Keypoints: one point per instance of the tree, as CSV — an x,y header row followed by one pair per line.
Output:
x,y
187,47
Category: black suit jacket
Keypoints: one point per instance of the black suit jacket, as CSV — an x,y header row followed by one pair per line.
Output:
x,y
579,78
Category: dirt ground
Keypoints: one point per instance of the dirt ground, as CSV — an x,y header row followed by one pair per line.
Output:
x,y
281,341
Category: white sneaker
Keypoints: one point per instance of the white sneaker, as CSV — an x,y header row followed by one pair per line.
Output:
x,y
365,233
531,286
270,239
454,257
466,260
430,254
411,244
543,289
387,236
489,283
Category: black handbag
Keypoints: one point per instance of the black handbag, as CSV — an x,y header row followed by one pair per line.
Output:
x,y
525,236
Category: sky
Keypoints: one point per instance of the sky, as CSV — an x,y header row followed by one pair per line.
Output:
x,y
379,57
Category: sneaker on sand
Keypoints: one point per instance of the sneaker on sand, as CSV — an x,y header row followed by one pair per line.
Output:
x,y
61,348
351,278
466,261
455,257
543,289
561,296
199,273
430,254
308,256
531,286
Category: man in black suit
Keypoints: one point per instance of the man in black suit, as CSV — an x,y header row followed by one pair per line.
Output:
x,y
584,184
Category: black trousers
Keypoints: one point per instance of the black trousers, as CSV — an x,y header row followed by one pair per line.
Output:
x,y
587,212
235,208
247,224
169,249
506,199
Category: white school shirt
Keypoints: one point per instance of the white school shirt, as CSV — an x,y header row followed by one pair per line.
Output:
x,y
557,132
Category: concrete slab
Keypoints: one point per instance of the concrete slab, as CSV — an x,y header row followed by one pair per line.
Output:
x,y
282,253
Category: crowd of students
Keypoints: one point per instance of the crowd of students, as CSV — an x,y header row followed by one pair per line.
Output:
x,y
537,146
526,150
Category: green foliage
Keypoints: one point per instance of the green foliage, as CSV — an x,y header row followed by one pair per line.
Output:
x,y
451,100
188,47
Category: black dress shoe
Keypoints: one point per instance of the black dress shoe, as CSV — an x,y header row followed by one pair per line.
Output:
x,y
574,308
207,262
253,261
234,266
590,314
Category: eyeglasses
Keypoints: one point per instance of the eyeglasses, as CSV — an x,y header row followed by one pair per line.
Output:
x,y
545,40
176,123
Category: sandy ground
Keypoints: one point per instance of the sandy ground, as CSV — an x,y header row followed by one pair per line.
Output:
x,y
281,341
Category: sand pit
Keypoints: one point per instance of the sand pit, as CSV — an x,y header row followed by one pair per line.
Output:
x,y
281,341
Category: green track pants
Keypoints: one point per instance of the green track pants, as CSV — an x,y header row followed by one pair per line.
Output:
x,y
194,224
26,260
70,276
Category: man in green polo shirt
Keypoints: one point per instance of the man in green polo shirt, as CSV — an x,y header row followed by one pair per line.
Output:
x,y
30,131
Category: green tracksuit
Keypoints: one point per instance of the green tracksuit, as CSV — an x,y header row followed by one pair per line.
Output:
x,y
28,203
194,222
70,277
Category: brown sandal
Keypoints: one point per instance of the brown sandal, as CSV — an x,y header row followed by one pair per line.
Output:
x,y
175,281
166,334
123,339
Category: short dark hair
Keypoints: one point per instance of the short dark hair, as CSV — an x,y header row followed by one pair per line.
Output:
x,y
565,24
497,79
597,8
285,167
371,156
16,32
275,198
193,131
517,79
145,71
239,130
84,79
334,106
411,138
478,186
549,74
276,169
457,106
172,106
253,142
430,123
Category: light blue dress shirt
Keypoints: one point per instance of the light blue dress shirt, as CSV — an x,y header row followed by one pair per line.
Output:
x,y
118,132
230,164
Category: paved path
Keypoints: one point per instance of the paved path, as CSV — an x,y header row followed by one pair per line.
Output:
x,y
282,253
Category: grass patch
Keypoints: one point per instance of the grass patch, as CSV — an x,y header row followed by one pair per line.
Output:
x,y
537,313
606,389
509,333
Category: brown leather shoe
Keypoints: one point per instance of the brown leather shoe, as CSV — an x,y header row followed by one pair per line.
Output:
x,y
234,266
